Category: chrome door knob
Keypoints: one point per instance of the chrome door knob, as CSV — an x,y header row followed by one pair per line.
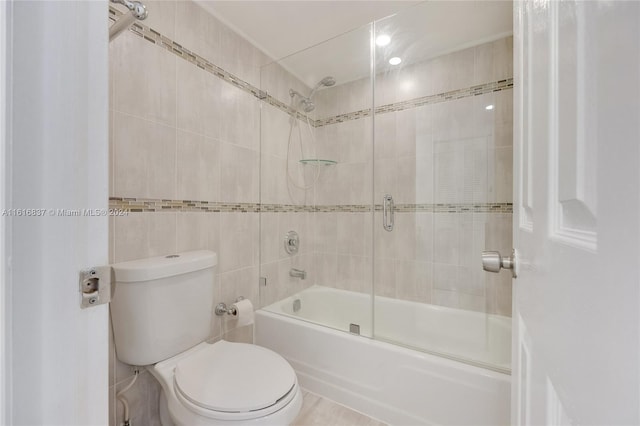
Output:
x,y
493,261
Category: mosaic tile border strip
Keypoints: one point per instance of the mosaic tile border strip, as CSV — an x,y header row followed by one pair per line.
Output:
x,y
452,208
140,205
495,86
153,36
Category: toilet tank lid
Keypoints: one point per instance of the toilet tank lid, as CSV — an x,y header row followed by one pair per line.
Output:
x,y
163,266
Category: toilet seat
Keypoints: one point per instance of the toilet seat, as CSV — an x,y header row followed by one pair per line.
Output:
x,y
234,381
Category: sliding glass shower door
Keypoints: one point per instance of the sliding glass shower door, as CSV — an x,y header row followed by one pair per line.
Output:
x,y
442,184
385,172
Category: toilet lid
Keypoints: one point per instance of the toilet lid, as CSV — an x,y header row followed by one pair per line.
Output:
x,y
234,377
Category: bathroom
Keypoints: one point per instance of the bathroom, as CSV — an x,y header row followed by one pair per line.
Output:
x,y
363,185
229,161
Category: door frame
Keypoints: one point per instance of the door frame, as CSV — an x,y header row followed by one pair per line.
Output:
x,y
5,190
54,126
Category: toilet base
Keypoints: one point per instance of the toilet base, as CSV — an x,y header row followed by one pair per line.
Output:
x,y
165,417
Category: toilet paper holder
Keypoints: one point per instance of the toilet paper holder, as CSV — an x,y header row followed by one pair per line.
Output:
x,y
221,308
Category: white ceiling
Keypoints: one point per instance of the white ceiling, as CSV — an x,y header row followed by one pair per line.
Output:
x,y
419,30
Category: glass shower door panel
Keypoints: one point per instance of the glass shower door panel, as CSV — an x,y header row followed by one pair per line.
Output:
x,y
316,180
441,151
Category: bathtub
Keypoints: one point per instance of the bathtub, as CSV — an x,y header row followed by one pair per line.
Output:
x,y
398,385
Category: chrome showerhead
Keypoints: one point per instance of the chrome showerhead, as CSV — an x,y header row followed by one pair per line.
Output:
x,y
307,104
325,82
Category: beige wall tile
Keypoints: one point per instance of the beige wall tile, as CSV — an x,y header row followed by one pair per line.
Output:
x,y
385,136
448,173
472,302
241,282
446,228
424,236
468,282
273,180
239,174
271,241
445,297
239,241
406,236
240,334
197,30
144,79
406,131
275,127
484,119
144,158
503,58
240,57
354,273
198,167
384,277
504,294
271,292
351,230
503,176
483,63
162,16
142,235
503,135
413,281
385,178
326,232
445,277
406,180
199,104
327,269
354,139
466,254
198,231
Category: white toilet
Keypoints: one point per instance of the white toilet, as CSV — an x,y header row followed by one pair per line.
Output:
x,y
162,311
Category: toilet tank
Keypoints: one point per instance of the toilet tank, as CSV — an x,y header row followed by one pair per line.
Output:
x,y
162,306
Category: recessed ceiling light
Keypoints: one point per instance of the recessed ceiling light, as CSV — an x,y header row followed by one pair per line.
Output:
x,y
383,40
489,107
395,60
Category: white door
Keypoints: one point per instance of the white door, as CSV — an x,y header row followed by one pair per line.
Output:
x,y
54,158
576,213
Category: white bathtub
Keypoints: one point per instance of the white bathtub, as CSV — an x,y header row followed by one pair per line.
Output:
x,y
394,384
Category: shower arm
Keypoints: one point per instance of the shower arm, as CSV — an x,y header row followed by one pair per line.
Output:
x,y
138,10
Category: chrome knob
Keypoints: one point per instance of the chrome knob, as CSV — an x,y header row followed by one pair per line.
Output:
x,y
291,242
493,261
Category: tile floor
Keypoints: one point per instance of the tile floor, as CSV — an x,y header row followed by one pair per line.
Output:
x,y
318,411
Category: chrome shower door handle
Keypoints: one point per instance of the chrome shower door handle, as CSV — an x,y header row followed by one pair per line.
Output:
x,y
387,212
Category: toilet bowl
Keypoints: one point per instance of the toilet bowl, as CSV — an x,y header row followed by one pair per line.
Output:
x,y
161,313
223,382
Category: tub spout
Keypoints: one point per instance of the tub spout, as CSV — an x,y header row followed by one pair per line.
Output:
x,y
298,273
